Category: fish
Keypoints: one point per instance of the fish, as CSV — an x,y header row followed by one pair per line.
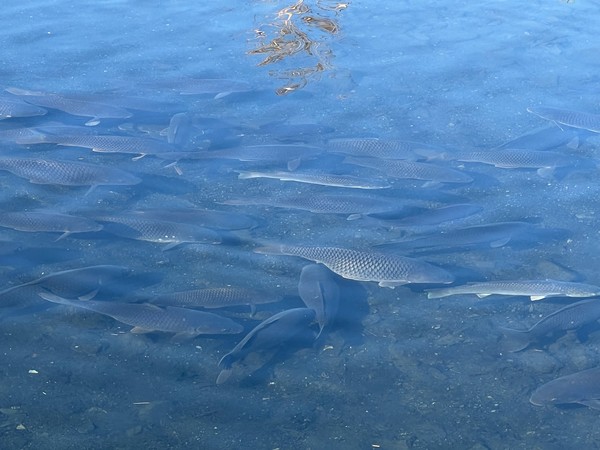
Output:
x,y
72,105
319,291
112,144
223,220
580,387
219,297
323,179
543,161
354,205
386,269
15,107
548,138
33,221
412,170
432,216
146,317
378,148
66,173
82,282
270,334
137,227
534,289
575,119
570,317
179,129
292,154
492,235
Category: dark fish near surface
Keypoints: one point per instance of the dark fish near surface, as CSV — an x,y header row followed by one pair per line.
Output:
x,y
575,119
323,179
387,270
223,220
411,170
355,205
580,387
534,289
72,105
145,317
66,173
267,335
74,283
378,148
319,291
220,297
112,144
137,227
34,221
291,154
571,317
548,138
492,235
15,107
433,216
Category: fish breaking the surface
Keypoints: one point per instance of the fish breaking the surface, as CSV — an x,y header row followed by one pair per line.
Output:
x,y
386,269
534,289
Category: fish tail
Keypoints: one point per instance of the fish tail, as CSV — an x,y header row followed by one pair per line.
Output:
x,y
223,376
226,361
515,340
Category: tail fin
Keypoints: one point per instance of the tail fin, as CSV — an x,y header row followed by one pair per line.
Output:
x,y
515,340
225,365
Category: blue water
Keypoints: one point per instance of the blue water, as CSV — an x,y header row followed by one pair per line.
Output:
x,y
397,370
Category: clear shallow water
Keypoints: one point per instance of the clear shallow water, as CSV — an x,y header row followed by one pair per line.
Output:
x,y
402,371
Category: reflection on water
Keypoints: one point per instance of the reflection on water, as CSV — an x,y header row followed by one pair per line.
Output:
x,y
298,37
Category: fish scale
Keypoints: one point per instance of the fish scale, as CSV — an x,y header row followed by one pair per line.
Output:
x,y
386,269
67,173
40,221
575,119
378,148
148,317
514,158
535,289
411,170
140,228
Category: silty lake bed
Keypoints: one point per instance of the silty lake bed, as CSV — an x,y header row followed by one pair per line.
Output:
x,y
243,185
